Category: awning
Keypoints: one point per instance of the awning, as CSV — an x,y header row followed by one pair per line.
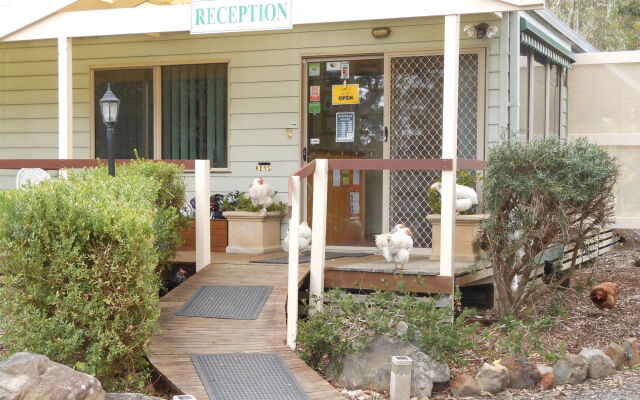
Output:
x,y
543,45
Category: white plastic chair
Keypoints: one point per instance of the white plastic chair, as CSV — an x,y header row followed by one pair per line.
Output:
x,y
31,176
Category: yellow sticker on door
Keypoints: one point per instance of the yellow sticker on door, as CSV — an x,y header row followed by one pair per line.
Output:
x,y
345,94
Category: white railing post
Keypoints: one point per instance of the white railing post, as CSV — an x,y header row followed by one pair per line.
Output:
x,y
318,236
292,296
203,228
449,141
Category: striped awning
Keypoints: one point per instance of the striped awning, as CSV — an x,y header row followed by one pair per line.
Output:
x,y
542,49
543,45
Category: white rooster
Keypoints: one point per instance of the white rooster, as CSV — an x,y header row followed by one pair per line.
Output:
x,y
261,194
304,238
396,245
466,197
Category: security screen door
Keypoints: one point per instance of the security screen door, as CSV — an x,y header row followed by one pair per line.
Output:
x,y
415,92
404,94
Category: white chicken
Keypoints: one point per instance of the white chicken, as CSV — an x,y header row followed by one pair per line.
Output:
x,y
261,194
466,197
396,245
304,238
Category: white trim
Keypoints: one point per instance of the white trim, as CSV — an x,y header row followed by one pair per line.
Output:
x,y
319,232
449,141
292,295
203,227
610,139
608,57
176,18
65,98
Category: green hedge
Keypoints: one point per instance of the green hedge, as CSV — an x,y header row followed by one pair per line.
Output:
x,y
169,222
78,259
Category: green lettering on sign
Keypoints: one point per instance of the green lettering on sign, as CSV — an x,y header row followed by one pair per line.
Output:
x,y
199,16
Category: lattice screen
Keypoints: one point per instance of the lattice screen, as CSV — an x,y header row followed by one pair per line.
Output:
x,y
416,131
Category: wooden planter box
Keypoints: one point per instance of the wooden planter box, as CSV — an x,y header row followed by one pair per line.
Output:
x,y
467,229
219,236
253,232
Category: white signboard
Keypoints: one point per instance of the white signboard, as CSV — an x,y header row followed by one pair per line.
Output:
x,y
345,124
213,16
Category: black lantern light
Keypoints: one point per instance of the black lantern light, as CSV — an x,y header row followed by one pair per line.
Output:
x,y
109,104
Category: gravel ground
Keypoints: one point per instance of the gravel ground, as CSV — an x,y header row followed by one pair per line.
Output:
x,y
622,386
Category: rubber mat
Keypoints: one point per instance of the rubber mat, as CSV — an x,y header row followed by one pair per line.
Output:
x,y
247,376
227,302
305,258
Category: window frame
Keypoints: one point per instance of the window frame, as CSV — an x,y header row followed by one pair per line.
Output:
x,y
530,117
157,102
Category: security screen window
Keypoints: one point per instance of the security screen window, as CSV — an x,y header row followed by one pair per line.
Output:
x,y
134,128
554,101
194,113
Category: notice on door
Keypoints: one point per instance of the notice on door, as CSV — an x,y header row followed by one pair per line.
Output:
x,y
345,127
345,94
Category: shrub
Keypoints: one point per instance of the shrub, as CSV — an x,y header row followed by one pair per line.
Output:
x,y
243,203
539,194
78,261
169,222
346,324
462,178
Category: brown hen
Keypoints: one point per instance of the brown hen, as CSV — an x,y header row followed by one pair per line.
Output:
x,y
604,295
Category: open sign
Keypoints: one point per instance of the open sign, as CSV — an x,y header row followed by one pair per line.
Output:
x,y
345,94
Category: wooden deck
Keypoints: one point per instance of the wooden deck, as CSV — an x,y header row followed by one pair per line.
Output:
x,y
182,336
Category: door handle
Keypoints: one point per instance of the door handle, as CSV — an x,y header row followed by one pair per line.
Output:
x,y
304,154
386,134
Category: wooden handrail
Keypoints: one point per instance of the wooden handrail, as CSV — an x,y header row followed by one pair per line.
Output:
x,y
377,164
51,164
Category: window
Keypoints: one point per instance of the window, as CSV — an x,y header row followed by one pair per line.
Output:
x,y
134,128
543,92
190,114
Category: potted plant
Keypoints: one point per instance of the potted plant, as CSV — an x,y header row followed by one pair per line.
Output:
x,y
218,226
251,229
467,224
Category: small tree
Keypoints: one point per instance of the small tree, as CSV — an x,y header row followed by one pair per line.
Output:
x,y
539,194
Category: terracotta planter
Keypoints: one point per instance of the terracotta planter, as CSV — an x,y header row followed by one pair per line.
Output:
x,y
467,229
219,239
253,232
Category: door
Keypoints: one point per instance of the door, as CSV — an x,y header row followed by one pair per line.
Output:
x,y
345,119
414,114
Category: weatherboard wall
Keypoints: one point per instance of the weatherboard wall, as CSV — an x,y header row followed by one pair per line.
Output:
x,y
264,86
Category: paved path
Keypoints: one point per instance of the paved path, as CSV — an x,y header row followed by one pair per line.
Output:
x,y
181,336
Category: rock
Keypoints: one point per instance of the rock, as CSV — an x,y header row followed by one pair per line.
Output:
x,y
493,378
33,376
600,365
547,380
631,350
543,369
571,369
523,373
401,328
617,354
464,386
370,368
546,376
130,396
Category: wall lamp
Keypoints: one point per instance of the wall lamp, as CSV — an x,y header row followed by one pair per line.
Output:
x,y
481,31
381,32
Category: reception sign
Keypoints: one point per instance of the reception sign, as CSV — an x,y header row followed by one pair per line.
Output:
x,y
213,16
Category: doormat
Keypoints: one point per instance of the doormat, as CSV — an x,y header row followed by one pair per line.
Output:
x,y
226,302
242,376
305,258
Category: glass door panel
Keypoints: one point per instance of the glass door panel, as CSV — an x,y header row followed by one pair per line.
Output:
x,y
345,120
